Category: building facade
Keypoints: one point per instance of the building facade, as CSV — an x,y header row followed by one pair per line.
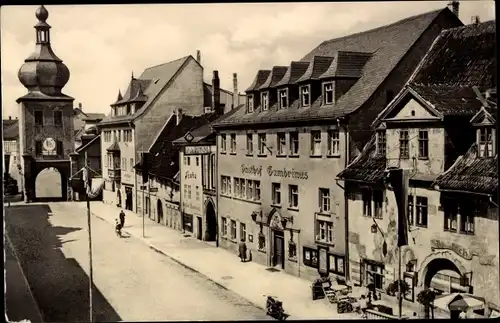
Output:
x,y
12,158
439,129
300,123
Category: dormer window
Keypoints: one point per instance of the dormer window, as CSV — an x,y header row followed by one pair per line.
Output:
x,y
485,144
381,143
283,98
305,96
265,101
250,103
328,93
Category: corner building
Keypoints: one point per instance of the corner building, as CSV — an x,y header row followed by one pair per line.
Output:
x,y
278,157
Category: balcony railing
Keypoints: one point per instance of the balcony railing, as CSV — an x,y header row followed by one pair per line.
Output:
x,y
114,174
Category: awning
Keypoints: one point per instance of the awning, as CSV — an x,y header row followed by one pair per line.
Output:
x,y
494,314
459,302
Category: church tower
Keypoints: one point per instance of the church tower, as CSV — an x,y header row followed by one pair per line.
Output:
x,y
46,132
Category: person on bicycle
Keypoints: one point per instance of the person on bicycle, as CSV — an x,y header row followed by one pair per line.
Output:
x,y
118,227
122,218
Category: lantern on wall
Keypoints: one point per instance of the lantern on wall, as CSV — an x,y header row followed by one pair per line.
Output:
x,y
374,228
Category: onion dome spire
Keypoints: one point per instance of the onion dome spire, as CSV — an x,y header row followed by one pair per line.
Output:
x,y
43,71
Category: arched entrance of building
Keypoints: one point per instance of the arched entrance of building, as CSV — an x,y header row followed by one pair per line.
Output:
x,y
49,185
159,210
444,275
118,198
128,198
211,222
277,239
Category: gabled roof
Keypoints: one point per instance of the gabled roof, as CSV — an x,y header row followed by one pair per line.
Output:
x,y
94,117
389,45
471,173
259,79
346,64
135,92
10,129
483,117
317,66
113,147
277,73
367,167
158,78
83,147
293,73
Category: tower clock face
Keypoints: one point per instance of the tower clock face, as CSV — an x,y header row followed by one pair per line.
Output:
x,y
49,144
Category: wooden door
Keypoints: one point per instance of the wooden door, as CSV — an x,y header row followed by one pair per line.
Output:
x,y
279,251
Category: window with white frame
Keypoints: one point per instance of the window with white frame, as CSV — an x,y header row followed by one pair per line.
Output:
x,y
256,186
265,101
467,219
243,231
225,185
239,183
293,199
294,143
451,210
283,96
262,143
324,231
305,95
223,143
381,142
333,142
233,143
328,93
422,211
249,187
316,143
223,227
485,144
281,140
404,149
366,195
233,230
378,202
423,143
276,189
324,199
249,143
250,103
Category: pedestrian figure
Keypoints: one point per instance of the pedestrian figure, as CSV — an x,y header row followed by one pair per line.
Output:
x,y
122,218
243,250
118,228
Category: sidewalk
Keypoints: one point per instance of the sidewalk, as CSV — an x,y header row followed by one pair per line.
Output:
x,y
250,280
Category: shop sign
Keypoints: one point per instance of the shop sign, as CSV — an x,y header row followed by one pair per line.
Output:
x,y
126,177
191,206
284,172
190,175
458,249
197,150
251,169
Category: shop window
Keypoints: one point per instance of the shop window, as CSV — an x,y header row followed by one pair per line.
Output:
x,y
276,193
316,143
423,144
243,231
378,202
233,143
422,211
223,143
333,142
337,264
233,230
294,143
374,274
293,196
310,257
404,152
324,231
281,139
367,202
324,199
249,144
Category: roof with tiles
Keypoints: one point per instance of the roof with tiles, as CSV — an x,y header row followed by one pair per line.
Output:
x,y
277,73
367,167
259,79
317,66
347,64
156,78
10,129
471,173
293,73
389,44
94,116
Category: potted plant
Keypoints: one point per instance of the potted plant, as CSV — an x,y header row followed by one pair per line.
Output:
x,y
392,289
426,297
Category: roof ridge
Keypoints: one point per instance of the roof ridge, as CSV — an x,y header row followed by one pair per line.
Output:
x,y
175,60
385,26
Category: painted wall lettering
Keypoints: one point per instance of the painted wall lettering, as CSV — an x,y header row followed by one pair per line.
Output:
x,y
458,249
190,175
284,172
251,169
197,150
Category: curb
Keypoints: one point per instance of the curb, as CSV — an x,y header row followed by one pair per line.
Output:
x,y
158,250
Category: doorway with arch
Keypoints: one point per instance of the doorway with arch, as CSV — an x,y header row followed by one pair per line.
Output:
x,y
118,198
49,182
210,222
159,210
445,275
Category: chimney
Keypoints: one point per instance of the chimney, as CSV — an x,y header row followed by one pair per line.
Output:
x,y
80,106
198,56
216,93
236,95
454,6
178,115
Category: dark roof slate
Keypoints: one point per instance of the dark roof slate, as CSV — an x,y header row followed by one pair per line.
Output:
x,y
277,73
259,79
347,64
10,129
317,66
293,73
471,173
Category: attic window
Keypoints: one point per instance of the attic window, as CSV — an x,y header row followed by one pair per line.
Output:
x,y
265,101
328,93
305,96
155,81
250,103
283,99
485,144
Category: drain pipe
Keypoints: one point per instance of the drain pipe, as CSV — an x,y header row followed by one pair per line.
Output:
x,y
346,200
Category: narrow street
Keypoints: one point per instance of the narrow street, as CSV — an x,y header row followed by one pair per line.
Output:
x,y
132,282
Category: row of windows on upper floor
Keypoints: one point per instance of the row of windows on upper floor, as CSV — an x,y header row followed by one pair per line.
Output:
x,y
114,162
57,118
282,149
418,211
122,110
120,135
484,142
208,166
328,97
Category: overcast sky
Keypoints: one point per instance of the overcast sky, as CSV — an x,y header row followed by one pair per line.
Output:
x,y
102,45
